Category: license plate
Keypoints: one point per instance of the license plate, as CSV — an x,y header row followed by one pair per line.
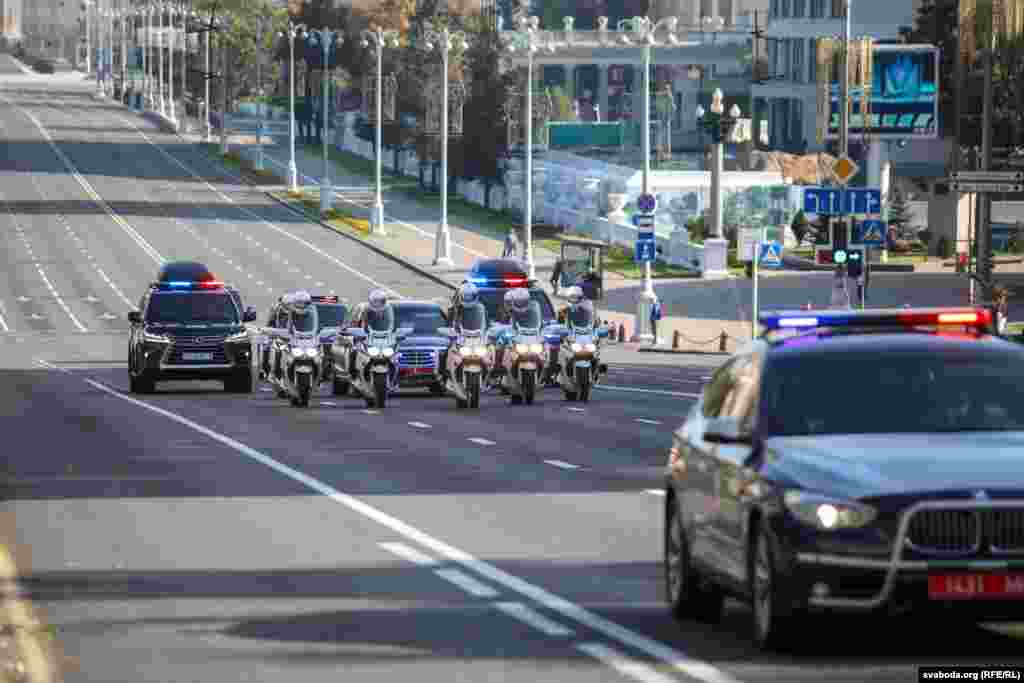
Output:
x,y
380,368
976,587
304,369
196,356
583,364
423,371
528,366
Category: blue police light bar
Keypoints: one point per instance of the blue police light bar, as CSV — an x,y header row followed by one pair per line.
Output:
x,y
892,317
185,284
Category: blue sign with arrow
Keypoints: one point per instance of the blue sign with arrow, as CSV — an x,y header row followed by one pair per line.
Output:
x,y
831,201
645,251
771,255
866,200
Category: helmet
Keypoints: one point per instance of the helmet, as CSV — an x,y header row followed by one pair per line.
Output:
x,y
378,300
574,294
469,294
299,299
517,300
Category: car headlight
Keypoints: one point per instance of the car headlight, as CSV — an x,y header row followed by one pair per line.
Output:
x,y
536,348
590,347
828,514
522,348
155,338
388,352
237,338
372,352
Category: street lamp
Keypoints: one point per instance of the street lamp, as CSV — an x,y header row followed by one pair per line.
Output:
x,y
326,39
101,61
379,39
262,26
88,37
445,41
207,29
291,33
643,32
531,39
146,81
720,127
160,7
172,13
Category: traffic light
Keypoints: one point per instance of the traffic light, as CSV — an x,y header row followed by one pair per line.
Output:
x,y
854,263
840,241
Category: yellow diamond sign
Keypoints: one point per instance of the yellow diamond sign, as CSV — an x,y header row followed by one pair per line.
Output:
x,y
844,169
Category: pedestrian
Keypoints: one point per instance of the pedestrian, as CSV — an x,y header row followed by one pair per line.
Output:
x,y
556,275
840,294
302,115
509,249
655,317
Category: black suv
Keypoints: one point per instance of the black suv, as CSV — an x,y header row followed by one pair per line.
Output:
x,y
189,327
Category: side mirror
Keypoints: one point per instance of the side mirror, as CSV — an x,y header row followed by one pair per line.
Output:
x,y
405,331
135,317
727,430
249,315
446,332
602,332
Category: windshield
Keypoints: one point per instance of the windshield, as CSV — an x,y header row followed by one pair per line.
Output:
x,y
474,318
492,300
304,321
424,320
380,321
198,308
582,315
529,319
892,393
330,315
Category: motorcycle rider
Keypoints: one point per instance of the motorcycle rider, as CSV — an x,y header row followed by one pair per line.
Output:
x,y
299,316
380,317
465,314
521,311
580,311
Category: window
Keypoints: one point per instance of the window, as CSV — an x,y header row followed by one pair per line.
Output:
x,y
837,9
799,9
817,9
798,60
742,401
812,60
717,390
774,8
785,9
773,58
203,308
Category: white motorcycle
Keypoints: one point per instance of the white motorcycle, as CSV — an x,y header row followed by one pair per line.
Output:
x,y
370,367
522,362
297,364
468,366
579,360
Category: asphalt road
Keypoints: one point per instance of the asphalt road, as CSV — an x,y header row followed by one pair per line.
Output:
x,y
201,536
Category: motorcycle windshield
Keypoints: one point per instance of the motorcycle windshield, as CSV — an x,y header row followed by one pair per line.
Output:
x,y
581,316
382,321
304,321
528,321
474,319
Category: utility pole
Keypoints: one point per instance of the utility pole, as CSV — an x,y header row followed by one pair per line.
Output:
x,y
983,231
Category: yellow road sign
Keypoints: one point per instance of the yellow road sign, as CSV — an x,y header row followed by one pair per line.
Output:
x,y
844,169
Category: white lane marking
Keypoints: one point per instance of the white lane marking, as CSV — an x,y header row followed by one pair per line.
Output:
x,y
3,323
655,492
410,554
60,301
467,583
533,619
573,409
371,411
97,199
262,220
624,665
481,441
114,287
51,366
705,378
419,425
319,284
595,622
648,422
563,465
328,403
656,392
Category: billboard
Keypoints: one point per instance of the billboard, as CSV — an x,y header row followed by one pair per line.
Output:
x,y
904,98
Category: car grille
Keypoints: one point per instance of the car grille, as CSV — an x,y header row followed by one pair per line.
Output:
x,y
211,345
417,359
1004,530
945,531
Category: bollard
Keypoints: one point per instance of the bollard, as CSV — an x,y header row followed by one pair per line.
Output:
x,y
721,341
622,332
675,340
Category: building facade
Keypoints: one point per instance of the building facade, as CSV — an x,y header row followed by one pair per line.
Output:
x,y
11,18
786,101
51,27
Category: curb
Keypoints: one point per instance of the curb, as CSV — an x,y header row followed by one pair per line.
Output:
x,y
679,352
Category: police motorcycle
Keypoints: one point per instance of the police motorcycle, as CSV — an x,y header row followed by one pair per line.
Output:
x,y
579,355
368,354
297,356
468,359
519,357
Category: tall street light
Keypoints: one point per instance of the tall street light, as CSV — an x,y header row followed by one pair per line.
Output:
x,y
144,12
643,32
206,28
531,39
123,16
325,39
379,39
293,32
101,59
160,8
172,13
184,13
262,27
88,37
720,127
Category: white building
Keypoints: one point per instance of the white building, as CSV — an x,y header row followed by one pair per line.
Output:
x,y
51,27
788,101
11,21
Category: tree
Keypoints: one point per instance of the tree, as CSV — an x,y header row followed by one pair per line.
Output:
x,y
800,227
483,117
936,23
899,215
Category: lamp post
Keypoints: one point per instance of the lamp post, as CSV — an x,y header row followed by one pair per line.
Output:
x,y
88,37
144,13
379,39
123,18
100,91
530,39
161,103
291,33
262,26
720,127
184,13
326,39
172,13
207,29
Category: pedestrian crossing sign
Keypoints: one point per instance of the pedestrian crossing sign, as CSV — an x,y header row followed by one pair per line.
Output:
x,y
771,255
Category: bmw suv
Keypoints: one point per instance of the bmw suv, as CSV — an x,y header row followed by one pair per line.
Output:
x,y
188,327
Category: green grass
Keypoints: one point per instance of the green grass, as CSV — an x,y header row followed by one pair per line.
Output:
x,y
620,261
342,221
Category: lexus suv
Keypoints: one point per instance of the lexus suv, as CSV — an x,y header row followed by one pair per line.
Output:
x,y
189,327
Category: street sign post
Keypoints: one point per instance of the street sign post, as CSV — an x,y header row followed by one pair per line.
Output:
x,y
844,168
643,221
988,176
863,200
961,186
647,203
870,233
748,240
771,255
825,201
644,251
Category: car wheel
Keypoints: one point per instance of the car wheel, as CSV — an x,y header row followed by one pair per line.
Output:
x,y
775,627
437,389
687,597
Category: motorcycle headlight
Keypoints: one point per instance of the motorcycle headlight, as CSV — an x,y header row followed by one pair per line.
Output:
x,y
828,514
590,347
155,338
522,348
536,348
373,352
237,338
388,352
313,351
576,348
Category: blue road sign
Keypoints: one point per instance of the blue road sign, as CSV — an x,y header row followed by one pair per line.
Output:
x,y
643,220
644,250
863,200
771,255
824,201
645,235
647,203
869,233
